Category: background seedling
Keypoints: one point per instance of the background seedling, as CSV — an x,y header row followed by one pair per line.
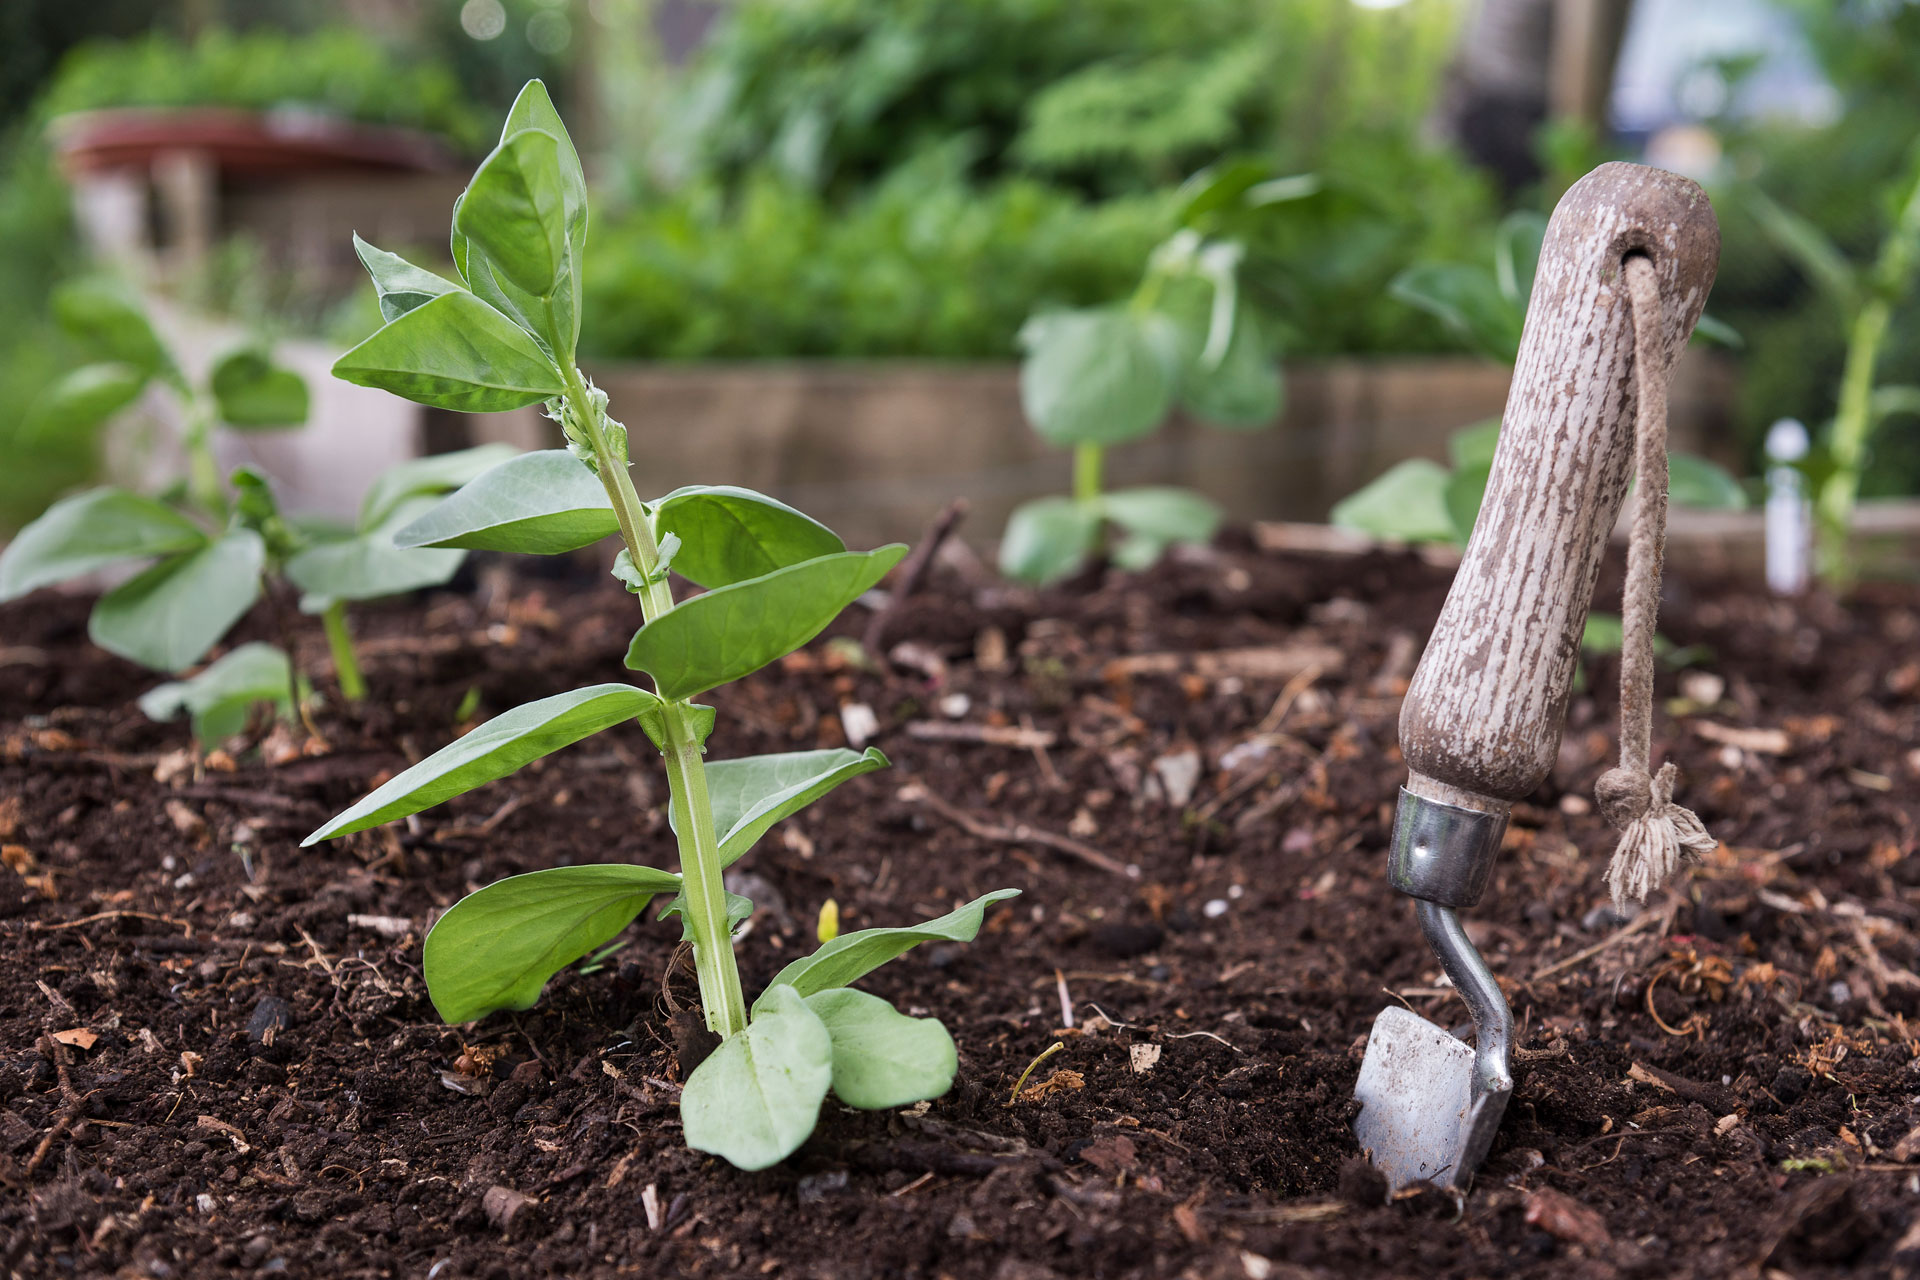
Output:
x,y
212,546
1102,376
501,337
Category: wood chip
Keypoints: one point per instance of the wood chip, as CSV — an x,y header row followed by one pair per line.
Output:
x,y
1066,1078
78,1037
1143,1057
995,735
213,1124
1271,662
385,926
1563,1216
503,1204
1763,742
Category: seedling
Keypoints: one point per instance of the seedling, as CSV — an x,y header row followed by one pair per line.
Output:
x,y
501,337
1102,376
213,546
1418,500
1864,298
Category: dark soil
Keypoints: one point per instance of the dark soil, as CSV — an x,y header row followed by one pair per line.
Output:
x,y
1726,1086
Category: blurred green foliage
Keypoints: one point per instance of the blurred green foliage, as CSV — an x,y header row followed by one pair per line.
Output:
x,y
1844,179
847,178
924,263
336,70
36,229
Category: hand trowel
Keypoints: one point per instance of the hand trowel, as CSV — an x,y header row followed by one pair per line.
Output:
x,y
1481,724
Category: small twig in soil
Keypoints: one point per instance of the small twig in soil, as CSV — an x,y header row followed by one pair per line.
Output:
x,y
1049,776
1024,737
912,573
1066,1001
1289,694
38,927
1044,1054
1017,833
1619,935
913,1186
70,1102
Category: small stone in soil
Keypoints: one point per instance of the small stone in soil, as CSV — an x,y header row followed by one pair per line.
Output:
x,y
816,1187
271,1015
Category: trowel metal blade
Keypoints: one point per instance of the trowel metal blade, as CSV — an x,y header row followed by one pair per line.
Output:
x,y
1420,1120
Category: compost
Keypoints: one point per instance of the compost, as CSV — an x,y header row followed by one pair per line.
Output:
x,y
217,1056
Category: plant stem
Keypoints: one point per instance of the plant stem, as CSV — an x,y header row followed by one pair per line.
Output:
x,y
1087,460
203,472
1854,416
346,667
701,885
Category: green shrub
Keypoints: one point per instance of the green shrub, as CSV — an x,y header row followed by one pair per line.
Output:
x,y
336,70
924,264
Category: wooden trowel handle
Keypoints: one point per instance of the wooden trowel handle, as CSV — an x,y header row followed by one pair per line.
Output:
x,y
1486,705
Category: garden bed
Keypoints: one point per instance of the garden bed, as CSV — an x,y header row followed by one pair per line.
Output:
x,y
256,1081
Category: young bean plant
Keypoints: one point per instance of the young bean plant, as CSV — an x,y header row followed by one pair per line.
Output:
x,y
212,546
503,336
1102,376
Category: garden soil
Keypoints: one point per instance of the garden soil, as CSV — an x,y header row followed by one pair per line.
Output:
x,y
217,1056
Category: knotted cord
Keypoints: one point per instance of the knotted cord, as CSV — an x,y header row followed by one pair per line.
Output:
x,y
1657,836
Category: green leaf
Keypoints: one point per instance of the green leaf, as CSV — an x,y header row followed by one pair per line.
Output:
x,y
1717,332
735,630
494,750
752,793
171,614
1692,481
544,503
534,109
109,318
454,352
1155,518
1243,389
220,698
90,531
1098,376
252,391
435,473
852,956
1466,490
1408,503
1809,249
497,948
728,535
1164,513
514,211
401,286
368,566
1048,539
1468,300
757,1097
1603,633
1474,446
881,1057
84,398
738,910
1516,255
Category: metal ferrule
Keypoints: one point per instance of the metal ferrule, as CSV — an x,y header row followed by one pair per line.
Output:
x,y
1441,852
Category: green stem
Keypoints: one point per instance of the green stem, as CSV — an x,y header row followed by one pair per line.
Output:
x,y
1853,421
203,473
1087,461
702,886
346,666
